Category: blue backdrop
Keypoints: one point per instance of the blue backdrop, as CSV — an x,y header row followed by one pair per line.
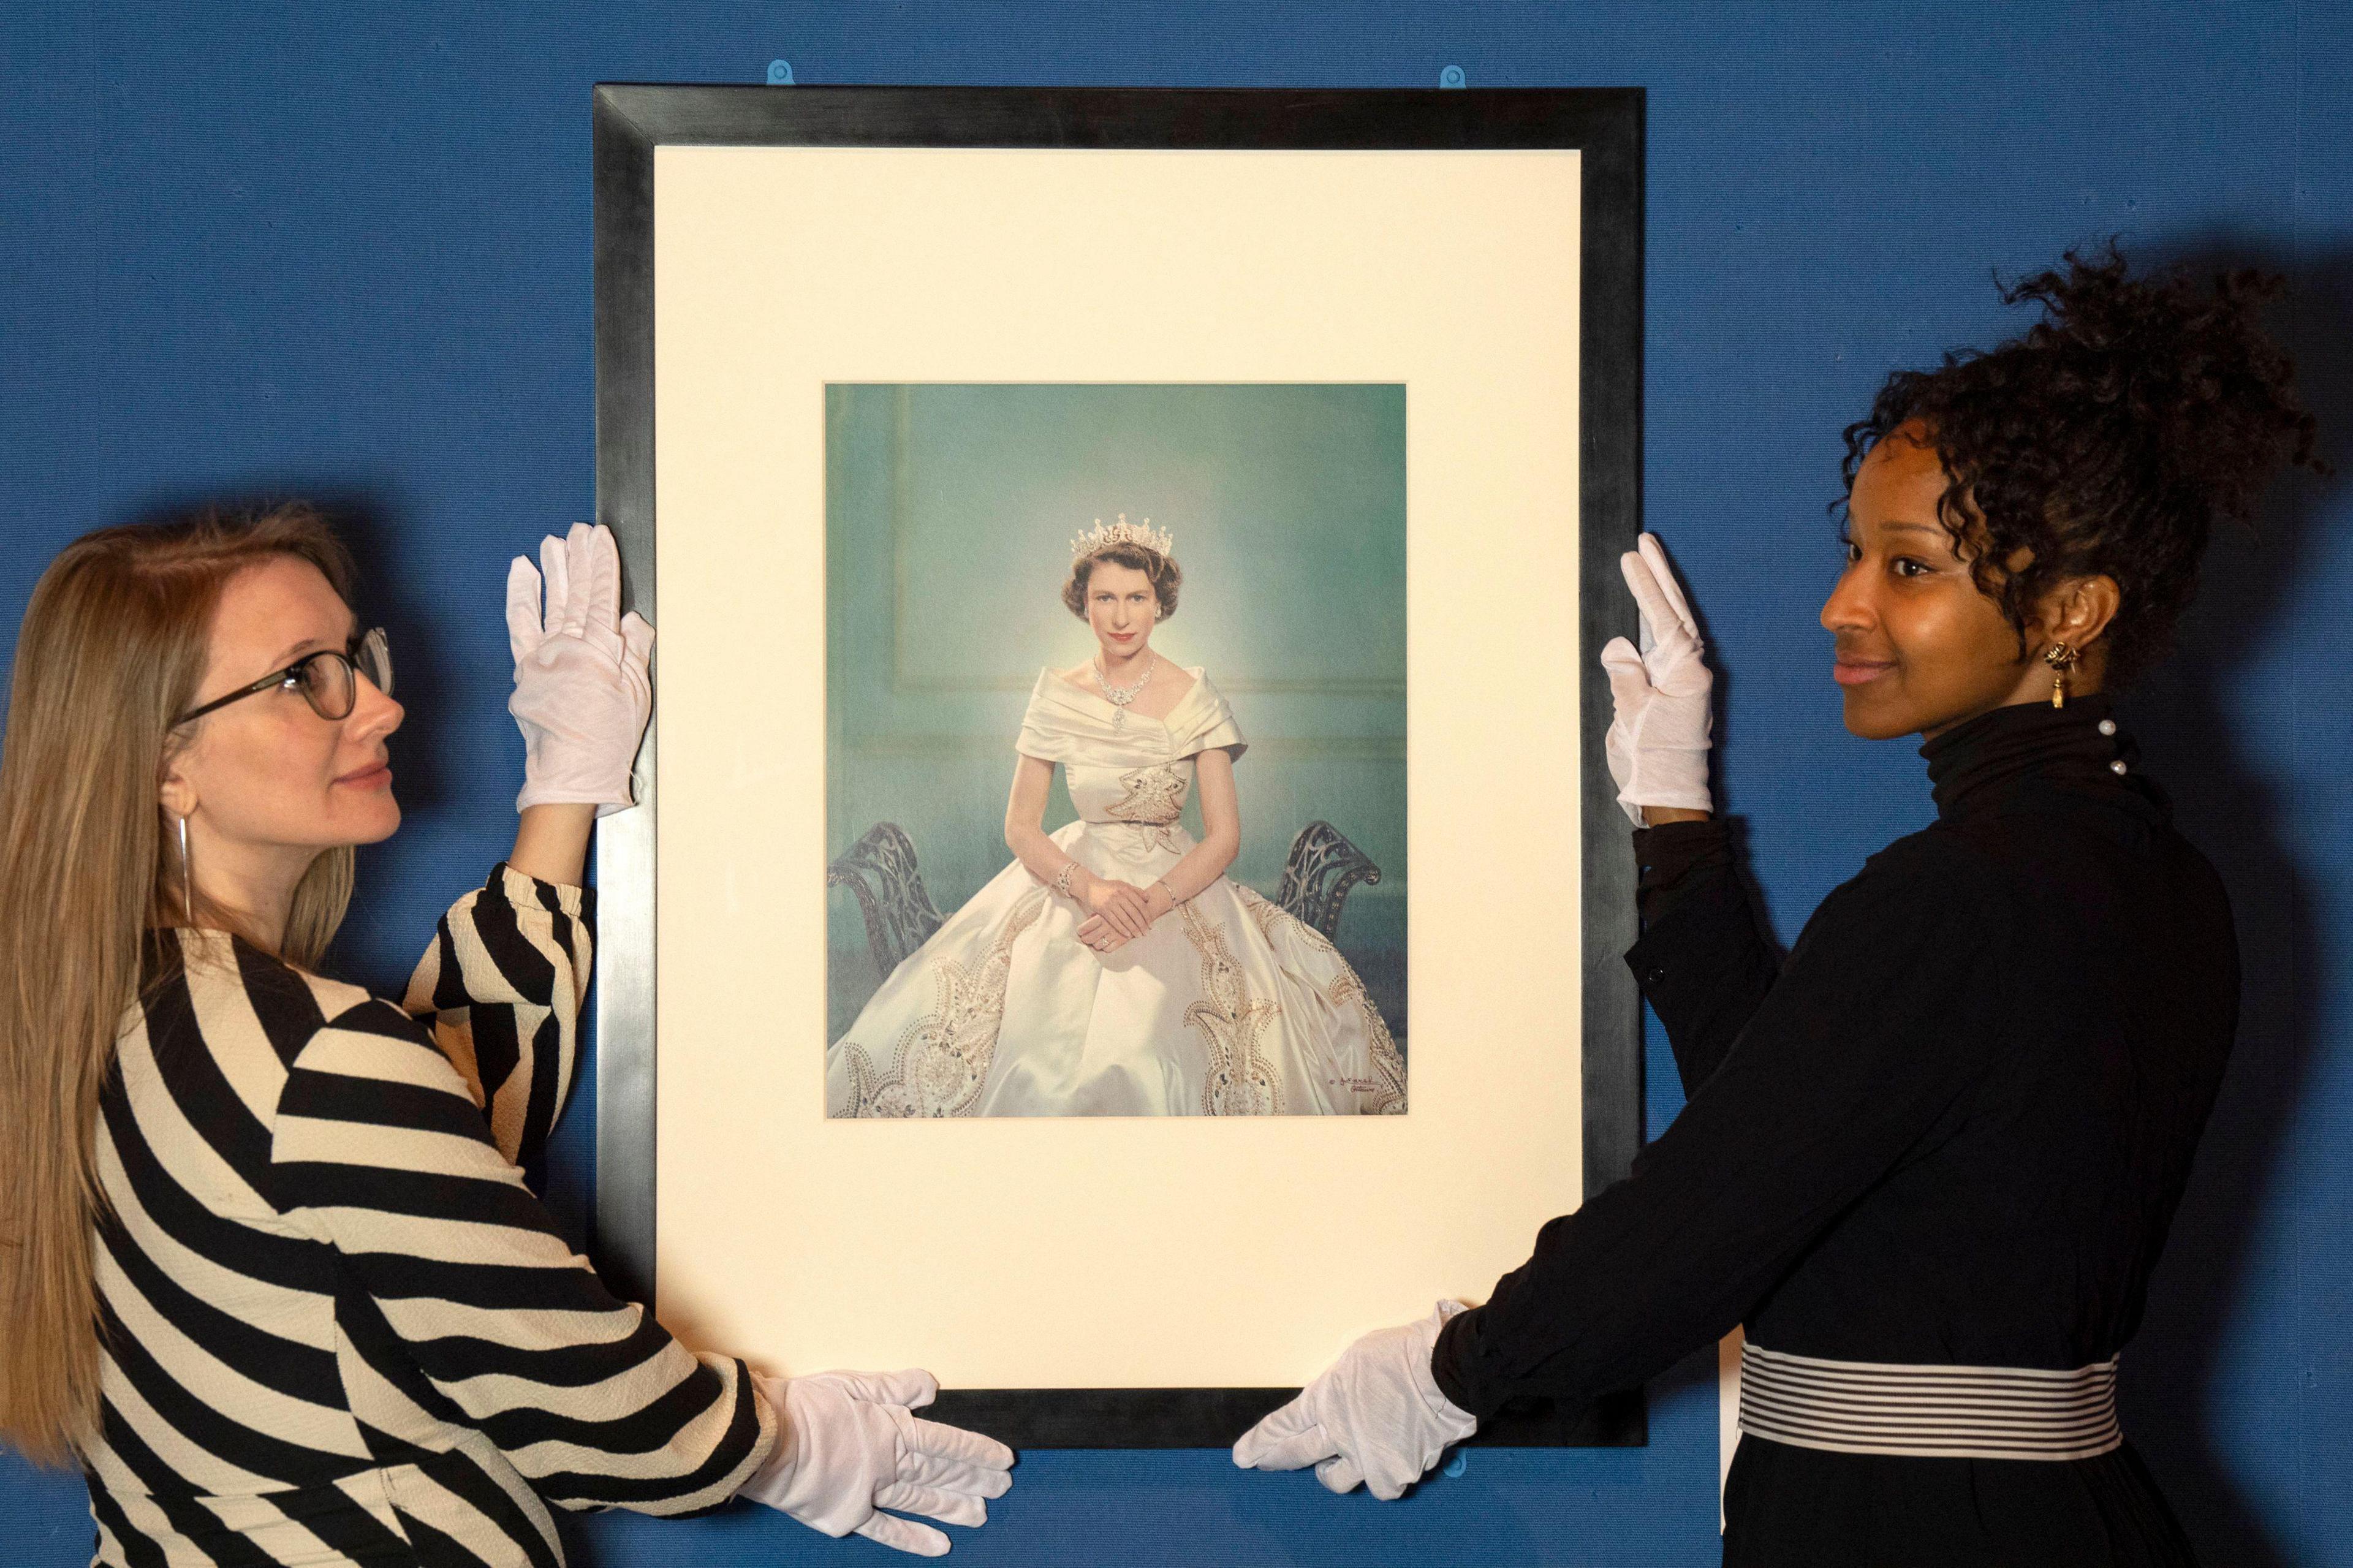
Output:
x,y
344,252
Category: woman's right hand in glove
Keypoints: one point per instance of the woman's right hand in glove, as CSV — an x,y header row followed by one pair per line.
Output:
x,y
582,691
1657,742
846,1446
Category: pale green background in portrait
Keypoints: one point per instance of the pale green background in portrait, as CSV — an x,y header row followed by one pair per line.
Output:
x,y
949,514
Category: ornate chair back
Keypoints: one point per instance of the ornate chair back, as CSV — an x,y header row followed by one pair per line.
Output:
x,y
1318,874
880,868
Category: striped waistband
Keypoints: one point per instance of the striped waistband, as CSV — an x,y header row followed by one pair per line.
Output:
x,y
1934,1412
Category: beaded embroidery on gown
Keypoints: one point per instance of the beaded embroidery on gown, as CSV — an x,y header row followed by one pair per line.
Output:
x,y
1228,1005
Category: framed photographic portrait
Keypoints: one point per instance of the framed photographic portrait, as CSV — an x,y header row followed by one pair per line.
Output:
x,y
1215,493
943,589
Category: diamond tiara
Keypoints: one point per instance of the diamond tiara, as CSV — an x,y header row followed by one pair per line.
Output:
x,y
1122,532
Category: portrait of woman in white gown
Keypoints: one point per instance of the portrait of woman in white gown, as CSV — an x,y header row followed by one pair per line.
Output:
x,y
1112,968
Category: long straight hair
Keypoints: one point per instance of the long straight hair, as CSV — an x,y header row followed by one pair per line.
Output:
x,y
112,649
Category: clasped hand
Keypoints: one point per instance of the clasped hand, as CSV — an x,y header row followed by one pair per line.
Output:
x,y
1119,912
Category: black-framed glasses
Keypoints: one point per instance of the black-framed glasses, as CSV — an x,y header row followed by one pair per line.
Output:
x,y
328,679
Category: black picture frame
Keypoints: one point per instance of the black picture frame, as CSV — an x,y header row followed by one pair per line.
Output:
x,y
1604,124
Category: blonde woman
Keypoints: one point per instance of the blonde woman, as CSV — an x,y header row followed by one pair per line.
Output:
x,y
271,1274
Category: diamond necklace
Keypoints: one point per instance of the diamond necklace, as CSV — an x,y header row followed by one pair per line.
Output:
x,y
1120,697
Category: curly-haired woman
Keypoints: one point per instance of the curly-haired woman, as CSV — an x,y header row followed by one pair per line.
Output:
x,y
1929,1159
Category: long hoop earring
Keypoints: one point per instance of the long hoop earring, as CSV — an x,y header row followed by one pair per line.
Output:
x,y
187,879
2061,658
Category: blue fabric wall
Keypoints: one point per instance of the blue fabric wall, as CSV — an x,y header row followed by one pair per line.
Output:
x,y
344,252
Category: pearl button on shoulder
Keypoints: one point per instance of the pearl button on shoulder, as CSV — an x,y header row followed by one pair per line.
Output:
x,y
2107,726
2117,766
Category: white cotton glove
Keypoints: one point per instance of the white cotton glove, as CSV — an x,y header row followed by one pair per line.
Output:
x,y
846,1446
582,694
1658,740
1375,1415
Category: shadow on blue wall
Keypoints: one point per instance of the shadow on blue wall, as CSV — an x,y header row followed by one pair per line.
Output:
x,y
2191,719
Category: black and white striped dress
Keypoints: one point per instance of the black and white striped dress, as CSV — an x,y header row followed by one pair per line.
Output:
x,y
338,1327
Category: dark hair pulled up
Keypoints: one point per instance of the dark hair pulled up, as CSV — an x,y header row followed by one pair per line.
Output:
x,y
2106,438
1163,571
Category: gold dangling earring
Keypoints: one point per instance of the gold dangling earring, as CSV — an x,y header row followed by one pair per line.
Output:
x,y
2061,658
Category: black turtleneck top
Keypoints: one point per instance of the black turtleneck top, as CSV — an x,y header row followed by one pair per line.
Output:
x,y
1951,1127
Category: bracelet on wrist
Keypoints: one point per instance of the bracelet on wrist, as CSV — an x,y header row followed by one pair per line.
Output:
x,y
1063,882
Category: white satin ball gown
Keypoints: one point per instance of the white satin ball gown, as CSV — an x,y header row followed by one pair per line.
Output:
x,y
1227,1006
